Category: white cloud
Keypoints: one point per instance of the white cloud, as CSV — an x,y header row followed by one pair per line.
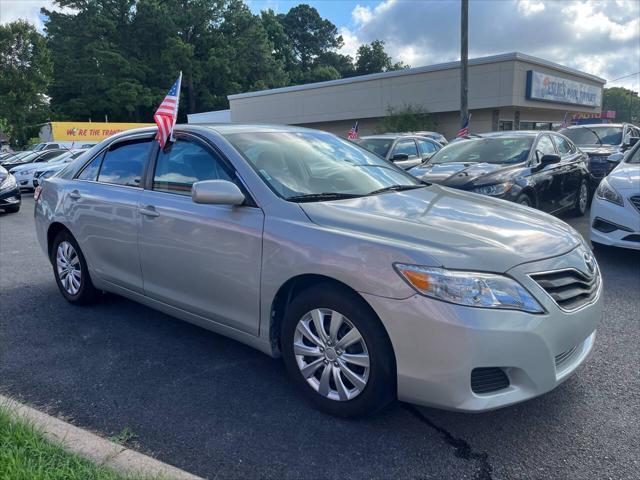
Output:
x,y
29,10
602,38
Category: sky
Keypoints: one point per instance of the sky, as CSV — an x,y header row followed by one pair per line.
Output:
x,y
601,37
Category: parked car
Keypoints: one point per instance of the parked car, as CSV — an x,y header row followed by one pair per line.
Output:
x,y
13,157
404,150
10,198
438,137
62,145
600,141
615,211
538,169
45,170
23,169
371,284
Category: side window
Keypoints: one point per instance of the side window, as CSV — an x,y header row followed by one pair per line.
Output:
x,y
407,147
90,171
49,156
564,148
51,146
545,147
123,163
426,147
184,164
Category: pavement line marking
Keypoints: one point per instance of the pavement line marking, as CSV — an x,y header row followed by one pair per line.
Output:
x,y
93,447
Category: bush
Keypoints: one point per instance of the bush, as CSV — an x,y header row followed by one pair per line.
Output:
x,y
410,118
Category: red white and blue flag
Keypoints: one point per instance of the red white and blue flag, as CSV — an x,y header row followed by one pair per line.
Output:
x,y
167,113
353,132
464,131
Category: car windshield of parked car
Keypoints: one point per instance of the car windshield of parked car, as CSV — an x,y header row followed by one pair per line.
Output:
x,y
315,166
485,150
379,146
594,135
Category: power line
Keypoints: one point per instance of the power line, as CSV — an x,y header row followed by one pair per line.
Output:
x,y
620,78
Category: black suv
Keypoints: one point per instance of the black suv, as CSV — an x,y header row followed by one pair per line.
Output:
x,y
599,141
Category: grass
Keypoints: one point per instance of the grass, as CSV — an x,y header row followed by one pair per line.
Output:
x,y
25,454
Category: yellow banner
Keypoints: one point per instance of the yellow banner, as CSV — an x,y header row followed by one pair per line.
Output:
x,y
90,131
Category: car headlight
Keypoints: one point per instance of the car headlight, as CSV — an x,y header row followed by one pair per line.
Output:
x,y
606,192
9,183
472,289
28,172
494,190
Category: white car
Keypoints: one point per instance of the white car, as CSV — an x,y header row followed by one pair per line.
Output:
x,y
25,173
615,211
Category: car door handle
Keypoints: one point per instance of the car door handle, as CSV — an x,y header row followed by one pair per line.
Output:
x,y
75,194
149,211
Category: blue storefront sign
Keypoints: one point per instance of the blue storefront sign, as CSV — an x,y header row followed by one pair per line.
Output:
x,y
549,88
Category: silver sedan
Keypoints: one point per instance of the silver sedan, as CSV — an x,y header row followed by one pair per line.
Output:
x,y
370,284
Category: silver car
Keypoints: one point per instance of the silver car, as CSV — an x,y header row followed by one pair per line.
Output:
x,y
370,284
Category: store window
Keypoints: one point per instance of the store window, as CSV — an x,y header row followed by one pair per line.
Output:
x,y
524,125
505,125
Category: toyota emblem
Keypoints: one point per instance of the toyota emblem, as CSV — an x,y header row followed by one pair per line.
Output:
x,y
589,262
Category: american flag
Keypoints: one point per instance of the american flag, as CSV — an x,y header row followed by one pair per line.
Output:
x,y
353,132
464,131
167,113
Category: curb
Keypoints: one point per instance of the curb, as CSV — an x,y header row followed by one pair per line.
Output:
x,y
94,447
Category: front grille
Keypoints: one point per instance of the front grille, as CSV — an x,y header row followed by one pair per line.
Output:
x,y
632,238
569,288
564,357
635,200
599,166
486,380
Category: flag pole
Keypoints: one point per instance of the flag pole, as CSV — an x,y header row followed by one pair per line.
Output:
x,y
171,138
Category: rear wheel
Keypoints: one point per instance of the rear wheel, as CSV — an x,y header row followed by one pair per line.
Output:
x,y
582,199
337,352
70,270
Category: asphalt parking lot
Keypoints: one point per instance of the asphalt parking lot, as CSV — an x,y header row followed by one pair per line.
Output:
x,y
219,409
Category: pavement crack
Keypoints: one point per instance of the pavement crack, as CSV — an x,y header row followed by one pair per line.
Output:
x,y
462,448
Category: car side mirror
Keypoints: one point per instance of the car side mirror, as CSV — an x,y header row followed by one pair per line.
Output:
x,y
549,160
631,141
399,157
217,192
615,157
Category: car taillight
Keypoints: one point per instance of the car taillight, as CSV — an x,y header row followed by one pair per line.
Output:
x,y
37,192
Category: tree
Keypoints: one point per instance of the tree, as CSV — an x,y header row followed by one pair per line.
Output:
x,y
373,58
410,118
625,102
25,73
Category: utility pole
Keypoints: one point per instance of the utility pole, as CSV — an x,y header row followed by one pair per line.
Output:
x,y
464,58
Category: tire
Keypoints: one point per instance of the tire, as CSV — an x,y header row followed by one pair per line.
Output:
x,y
524,199
354,399
12,209
582,200
70,270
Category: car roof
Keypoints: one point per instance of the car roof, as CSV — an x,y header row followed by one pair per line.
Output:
x,y
515,133
599,125
393,136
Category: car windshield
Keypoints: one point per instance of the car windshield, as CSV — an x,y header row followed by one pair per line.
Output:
x,y
485,150
594,135
379,146
315,166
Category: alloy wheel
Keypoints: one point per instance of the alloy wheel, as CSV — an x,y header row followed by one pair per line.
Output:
x,y
331,354
68,268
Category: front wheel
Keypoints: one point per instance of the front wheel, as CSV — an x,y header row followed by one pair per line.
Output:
x,y
70,270
582,200
337,352
525,200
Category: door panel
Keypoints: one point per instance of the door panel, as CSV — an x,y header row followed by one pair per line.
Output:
x,y
549,178
571,172
204,259
407,147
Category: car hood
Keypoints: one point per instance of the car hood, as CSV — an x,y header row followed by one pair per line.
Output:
x,y
451,228
23,166
461,174
626,176
599,150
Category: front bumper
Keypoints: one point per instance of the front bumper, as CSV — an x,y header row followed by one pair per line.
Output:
x,y
626,218
24,181
438,345
10,198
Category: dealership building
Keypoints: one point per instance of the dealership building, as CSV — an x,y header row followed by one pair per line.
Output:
x,y
512,91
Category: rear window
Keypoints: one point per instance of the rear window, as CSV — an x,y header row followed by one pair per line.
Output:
x,y
379,146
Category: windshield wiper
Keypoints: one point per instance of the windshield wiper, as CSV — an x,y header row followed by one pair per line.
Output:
x,y
310,197
396,188
594,132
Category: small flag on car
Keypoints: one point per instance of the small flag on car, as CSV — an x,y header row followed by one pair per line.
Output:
x,y
464,131
353,132
167,113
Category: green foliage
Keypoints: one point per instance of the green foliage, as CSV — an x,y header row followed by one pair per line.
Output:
x,y
625,102
410,118
26,455
25,73
373,58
